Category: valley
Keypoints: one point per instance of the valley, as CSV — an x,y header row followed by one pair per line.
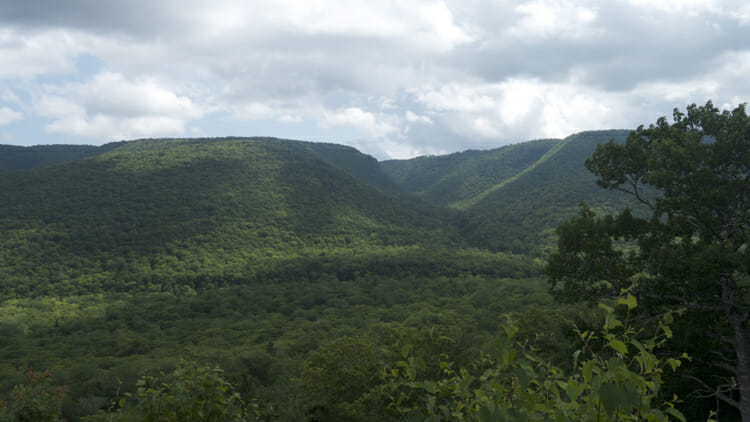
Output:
x,y
260,254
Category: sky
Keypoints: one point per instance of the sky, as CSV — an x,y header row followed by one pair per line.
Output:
x,y
394,79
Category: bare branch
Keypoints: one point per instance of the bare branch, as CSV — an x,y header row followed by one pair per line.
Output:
x,y
719,392
722,356
723,365
683,301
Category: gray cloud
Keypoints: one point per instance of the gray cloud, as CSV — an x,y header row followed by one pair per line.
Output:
x,y
479,73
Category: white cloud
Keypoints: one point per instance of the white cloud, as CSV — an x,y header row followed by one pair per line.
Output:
x,y
458,97
9,96
262,111
737,10
253,111
8,115
554,18
360,120
112,94
28,54
111,128
112,106
416,118
393,77
429,24
521,109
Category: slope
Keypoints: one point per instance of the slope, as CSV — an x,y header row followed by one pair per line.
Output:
x,y
456,178
155,213
18,158
521,215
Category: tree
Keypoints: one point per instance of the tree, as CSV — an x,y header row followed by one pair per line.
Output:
x,y
338,381
689,248
36,401
192,392
616,377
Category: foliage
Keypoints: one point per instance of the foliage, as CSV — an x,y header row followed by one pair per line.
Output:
x,y
340,380
191,393
690,251
521,216
450,179
617,377
153,214
276,260
18,158
36,401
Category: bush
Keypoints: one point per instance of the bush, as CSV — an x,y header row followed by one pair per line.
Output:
x,y
36,401
619,379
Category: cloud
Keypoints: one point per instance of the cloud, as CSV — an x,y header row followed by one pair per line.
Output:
x,y
390,77
520,108
416,118
110,106
28,54
554,18
8,115
363,121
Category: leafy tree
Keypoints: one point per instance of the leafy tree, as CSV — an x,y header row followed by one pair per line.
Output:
x,y
690,249
36,401
337,380
617,377
192,393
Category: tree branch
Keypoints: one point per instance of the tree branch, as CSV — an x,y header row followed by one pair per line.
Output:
x,y
718,392
723,365
683,301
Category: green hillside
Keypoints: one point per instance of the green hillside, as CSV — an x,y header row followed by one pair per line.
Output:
x,y
450,179
254,254
307,271
521,215
18,158
196,212
511,198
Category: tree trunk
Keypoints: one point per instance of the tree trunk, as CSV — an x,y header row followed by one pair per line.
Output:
x,y
742,348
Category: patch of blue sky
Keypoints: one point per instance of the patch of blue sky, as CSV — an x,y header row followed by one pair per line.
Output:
x,y
85,67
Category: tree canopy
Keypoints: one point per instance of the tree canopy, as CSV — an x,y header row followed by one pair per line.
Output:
x,y
690,250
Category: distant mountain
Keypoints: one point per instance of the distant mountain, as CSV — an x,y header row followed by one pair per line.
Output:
x,y
522,215
512,198
205,210
150,214
19,158
450,179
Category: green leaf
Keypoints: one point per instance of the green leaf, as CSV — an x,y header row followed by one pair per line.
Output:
x,y
611,396
676,413
606,308
631,302
667,331
619,346
429,386
586,370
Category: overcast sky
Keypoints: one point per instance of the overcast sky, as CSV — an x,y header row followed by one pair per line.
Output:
x,y
391,78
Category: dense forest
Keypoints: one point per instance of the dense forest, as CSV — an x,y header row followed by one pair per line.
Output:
x,y
269,279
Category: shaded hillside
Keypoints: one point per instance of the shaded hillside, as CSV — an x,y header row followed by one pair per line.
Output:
x,y
363,167
18,158
451,179
521,215
197,212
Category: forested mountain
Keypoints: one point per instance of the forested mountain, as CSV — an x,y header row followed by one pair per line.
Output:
x,y
18,158
450,179
521,215
196,212
298,267
512,198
